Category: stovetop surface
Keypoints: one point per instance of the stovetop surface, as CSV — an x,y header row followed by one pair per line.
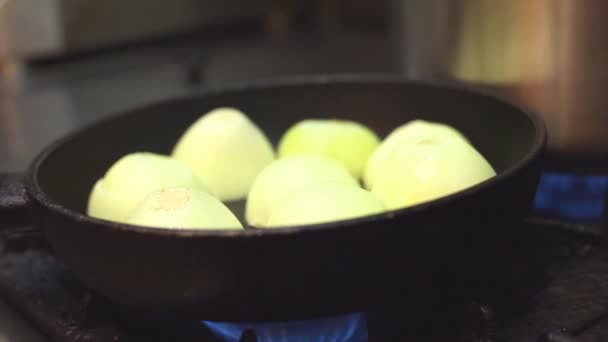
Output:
x,y
556,284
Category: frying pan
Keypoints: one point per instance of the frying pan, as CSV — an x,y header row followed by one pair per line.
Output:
x,y
291,272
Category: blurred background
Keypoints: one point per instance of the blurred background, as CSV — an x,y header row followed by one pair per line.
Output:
x,y
66,63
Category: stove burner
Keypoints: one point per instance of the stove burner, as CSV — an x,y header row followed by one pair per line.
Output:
x,y
344,328
553,288
570,196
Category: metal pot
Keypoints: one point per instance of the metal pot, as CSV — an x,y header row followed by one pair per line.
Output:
x,y
548,55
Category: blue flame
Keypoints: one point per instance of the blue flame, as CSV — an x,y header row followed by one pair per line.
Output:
x,y
571,196
346,328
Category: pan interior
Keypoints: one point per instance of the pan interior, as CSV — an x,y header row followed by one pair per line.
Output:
x,y
502,133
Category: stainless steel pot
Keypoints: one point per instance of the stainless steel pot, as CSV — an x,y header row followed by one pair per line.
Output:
x,y
549,55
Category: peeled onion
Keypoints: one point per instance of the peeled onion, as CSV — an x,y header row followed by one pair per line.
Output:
x,y
422,170
348,142
131,178
276,182
226,151
324,202
183,208
412,130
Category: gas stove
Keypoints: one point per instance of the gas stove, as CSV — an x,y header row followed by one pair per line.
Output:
x,y
554,287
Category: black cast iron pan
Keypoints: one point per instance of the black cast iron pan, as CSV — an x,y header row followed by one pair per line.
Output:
x,y
294,272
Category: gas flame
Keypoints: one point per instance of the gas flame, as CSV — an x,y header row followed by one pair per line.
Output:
x,y
345,328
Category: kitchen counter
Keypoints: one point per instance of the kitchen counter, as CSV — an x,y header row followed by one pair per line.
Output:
x,y
45,102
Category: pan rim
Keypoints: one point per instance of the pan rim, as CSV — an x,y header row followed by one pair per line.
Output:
x,y
36,192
